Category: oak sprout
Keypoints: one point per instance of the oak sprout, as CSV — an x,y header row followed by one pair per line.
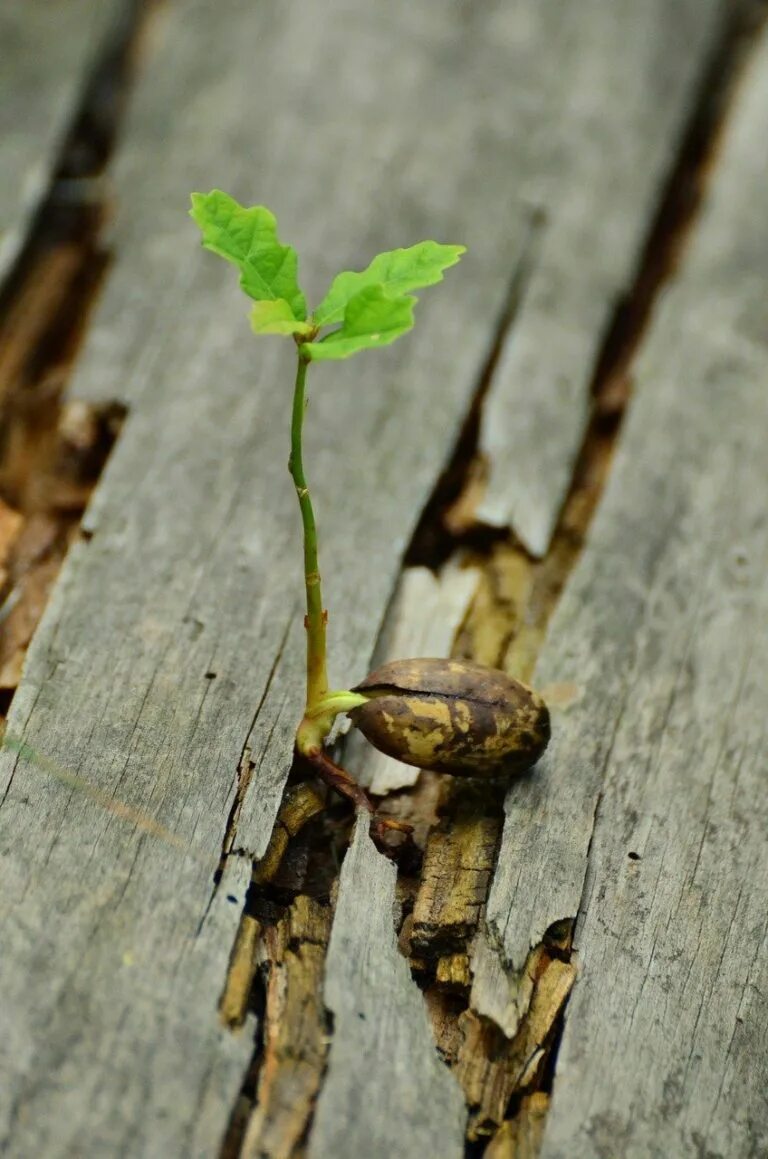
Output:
x,y
478,710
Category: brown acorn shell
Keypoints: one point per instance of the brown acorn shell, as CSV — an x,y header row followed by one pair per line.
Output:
x,y
453,716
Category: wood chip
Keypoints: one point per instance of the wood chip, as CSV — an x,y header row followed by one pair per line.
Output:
x,y
521,1137
295,1033
458,861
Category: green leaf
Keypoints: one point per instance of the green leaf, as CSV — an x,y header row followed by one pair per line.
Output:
x,y
248,238
397,272
371,319
276,318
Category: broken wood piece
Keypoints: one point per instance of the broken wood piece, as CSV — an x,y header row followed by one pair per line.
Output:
x,y
295,1032
491,1067
520,1138
483,1071
242,970
11,523
453,972
531,1043
301,803
458,861
37,557
444,1009
501,993
381,1030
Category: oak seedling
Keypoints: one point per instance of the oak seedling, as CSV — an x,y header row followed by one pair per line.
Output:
x,y
467,719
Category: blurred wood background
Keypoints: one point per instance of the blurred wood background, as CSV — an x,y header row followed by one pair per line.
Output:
x,y
562,472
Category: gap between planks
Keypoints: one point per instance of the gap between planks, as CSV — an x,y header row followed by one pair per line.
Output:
x,y
422,607
53,450
231,867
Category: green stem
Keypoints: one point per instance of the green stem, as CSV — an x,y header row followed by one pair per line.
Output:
x,y
340,701
317,678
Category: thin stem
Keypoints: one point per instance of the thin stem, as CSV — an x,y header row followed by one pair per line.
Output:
x,y
338,701
317,678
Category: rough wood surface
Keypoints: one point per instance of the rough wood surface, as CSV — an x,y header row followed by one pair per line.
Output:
x,y
174,639
414,1106
48,50
648,814
521,1137
598,179
458,860
296,1033
493,1068
151,735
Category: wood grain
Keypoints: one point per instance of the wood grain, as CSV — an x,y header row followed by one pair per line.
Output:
x,y
174,638
599,176
413,1106
48,50
173,641
648,816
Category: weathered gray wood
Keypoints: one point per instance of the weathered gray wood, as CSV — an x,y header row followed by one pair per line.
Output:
x,y
649,811
555,292
47,51
386,1092
622,79
174,638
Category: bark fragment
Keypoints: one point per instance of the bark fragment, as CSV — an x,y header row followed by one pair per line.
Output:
x,y
295,1035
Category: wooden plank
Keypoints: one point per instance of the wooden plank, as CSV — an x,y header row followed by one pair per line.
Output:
x,y
381,1029
648,815
623,80
174,639
48,50
657,159
628,216
173,642
295,1031
520,1138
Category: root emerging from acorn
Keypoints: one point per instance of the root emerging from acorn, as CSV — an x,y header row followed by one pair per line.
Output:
x,y
448,716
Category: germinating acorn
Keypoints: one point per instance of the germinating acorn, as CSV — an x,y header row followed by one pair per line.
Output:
x,y
453,716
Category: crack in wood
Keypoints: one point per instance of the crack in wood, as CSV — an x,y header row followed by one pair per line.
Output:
x,y
505,626
511,579
447,521
507,1069
245,769
53,451
276,970
284,957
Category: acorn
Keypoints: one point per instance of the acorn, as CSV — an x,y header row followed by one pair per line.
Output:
x,y
453,717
